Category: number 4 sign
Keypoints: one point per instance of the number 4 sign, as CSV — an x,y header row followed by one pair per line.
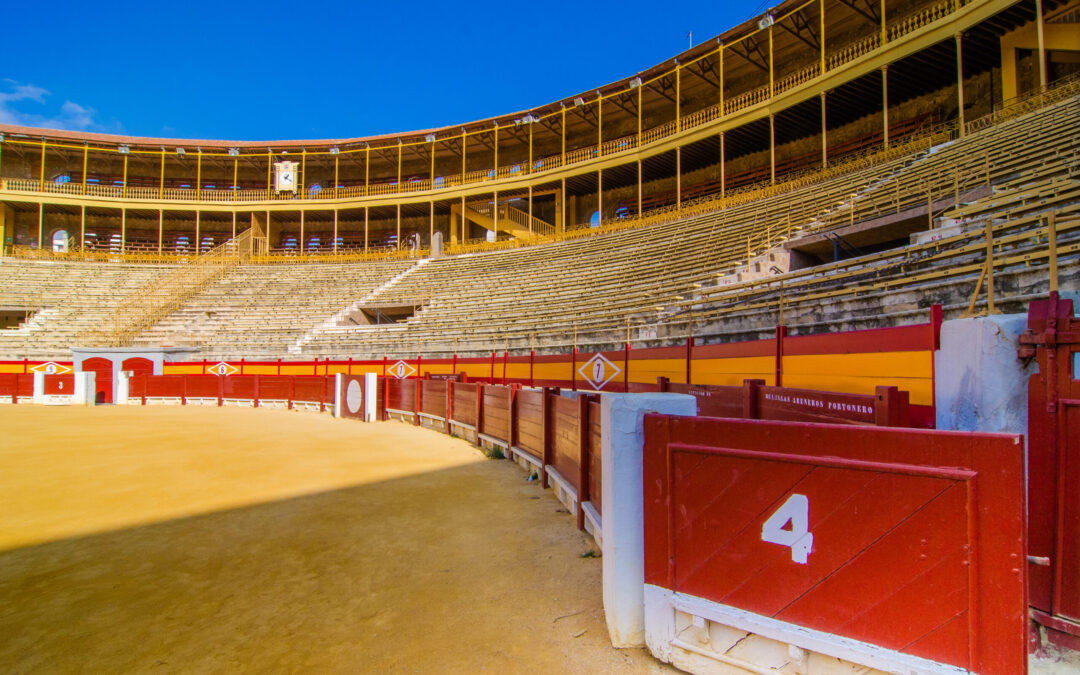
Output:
x,y
799,539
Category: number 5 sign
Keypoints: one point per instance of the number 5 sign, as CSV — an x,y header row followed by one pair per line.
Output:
x,y
799,539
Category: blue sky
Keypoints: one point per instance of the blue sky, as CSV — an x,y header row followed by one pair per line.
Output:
x,y
264,71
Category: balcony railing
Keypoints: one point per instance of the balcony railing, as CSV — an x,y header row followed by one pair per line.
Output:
x,y
841,56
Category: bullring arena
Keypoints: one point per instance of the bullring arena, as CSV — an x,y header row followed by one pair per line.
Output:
x,y
764,359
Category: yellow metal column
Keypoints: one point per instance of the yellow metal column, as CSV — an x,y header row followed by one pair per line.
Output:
x,y
161,179
884,34
599,125
562,206
678,177
562,161
678,96
960,81
771,70
1042,43
639,187
885,100
84,152
821,34
599,197
723,174
824,135
198,174
772,149
639,88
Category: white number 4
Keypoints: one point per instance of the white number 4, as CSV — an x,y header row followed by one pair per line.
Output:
x,y
799,539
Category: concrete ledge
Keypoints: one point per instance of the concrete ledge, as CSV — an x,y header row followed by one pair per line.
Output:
x,y
593,524
525,459
702,636
564,491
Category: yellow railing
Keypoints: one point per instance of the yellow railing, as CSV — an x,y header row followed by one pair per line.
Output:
x,y
145,307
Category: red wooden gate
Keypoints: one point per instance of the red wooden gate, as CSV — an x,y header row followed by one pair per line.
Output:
x,y
1053,339
908,541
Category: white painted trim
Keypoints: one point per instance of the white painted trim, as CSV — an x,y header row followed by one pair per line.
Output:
x,y
494,441
593,523
527,456
661,601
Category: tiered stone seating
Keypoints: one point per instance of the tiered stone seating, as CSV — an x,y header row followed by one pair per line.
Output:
x,y
76,302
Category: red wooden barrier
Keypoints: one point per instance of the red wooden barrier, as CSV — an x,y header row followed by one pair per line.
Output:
x,y
530,426
400,395
60,385
433,395
495,419
464,408
17,386
878,535
887,407
595,471
1053,340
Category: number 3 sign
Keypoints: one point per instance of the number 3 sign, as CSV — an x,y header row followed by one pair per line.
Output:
x,y
799,538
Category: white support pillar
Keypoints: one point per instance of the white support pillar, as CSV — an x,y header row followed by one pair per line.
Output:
x,y
622,451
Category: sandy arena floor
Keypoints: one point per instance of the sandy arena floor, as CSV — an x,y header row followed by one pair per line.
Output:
x,y
231,540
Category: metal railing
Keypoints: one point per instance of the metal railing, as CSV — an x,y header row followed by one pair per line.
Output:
x,y
837,58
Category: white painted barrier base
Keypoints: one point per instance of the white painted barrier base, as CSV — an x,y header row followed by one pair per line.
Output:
x,y
623,527
705,637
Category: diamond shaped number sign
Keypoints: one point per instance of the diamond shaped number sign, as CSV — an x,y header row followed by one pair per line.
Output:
x,y
598,371
50,368
400,370
222,369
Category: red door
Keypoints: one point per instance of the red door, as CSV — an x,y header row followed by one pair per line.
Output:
x,y
104,378
1053,339
138,366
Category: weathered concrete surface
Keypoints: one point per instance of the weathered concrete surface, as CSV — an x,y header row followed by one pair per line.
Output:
x,y
980,383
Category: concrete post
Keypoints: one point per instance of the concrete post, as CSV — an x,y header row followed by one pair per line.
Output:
x,y
980,383
371,393
622,445
39,388
123,387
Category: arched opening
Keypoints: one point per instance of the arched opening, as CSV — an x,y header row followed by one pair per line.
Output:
x,y
60,241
